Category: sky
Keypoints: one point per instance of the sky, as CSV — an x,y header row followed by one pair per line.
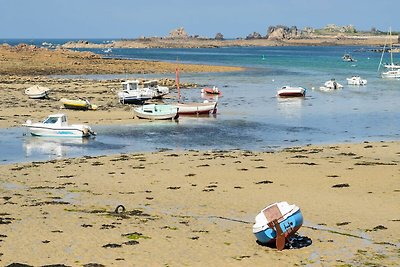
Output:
x,y
232,18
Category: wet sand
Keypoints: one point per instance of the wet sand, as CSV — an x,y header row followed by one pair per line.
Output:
x,y
197,208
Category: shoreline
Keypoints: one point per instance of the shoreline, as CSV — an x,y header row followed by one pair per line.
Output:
x,y
181,207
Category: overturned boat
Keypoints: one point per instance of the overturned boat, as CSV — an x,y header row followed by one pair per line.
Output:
x,y
276,223
56,125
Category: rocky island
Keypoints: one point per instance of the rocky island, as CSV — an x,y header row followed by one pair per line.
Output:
x,y
278,35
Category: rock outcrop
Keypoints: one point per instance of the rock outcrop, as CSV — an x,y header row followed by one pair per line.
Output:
x,y
219,36
280,32
254,35
178,33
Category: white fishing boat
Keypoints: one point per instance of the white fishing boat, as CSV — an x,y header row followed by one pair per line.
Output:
x,y
158,91
392,70
37,92
356,80
133,94
291,91
56,125
157,112
332,84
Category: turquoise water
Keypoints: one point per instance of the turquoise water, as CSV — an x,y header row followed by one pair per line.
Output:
x,y
250,116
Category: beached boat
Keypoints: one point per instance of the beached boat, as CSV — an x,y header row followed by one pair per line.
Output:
x,y
193,108
158,91
212,91
276,223
291,91
56,125
156,112
348,58
196,108
37,92
133,94
332,84
356,80
82,104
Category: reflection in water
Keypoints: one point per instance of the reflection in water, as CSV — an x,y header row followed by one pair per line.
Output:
x,y
58,147
291,107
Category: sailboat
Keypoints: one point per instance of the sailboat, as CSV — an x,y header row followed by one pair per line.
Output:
x,y
193,108
393,70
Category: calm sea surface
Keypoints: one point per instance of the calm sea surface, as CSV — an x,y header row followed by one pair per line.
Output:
x,y
250,116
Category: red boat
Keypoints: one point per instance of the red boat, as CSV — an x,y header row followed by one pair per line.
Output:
x,y
213,91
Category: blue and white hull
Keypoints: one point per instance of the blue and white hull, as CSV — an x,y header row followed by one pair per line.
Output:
x,y
289,218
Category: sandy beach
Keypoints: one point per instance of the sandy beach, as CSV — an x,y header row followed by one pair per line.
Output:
x,y
185,208
197,208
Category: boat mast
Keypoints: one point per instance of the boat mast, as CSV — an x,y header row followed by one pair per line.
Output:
x,y
177,83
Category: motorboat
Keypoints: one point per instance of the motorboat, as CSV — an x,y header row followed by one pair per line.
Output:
x,y
211,90
356,80
81,104
292,91
56,125
37,92
332,84
158,91
157,112
133,94
276,223
348,58
197,108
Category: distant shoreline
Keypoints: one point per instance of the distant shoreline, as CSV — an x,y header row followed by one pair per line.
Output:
x,y
190,42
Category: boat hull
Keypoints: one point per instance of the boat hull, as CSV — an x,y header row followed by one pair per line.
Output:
x,y
287,91
58,132
197,108
133,100
157,112
289,226
78,104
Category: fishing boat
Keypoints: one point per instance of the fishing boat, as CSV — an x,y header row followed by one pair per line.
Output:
x,y
56,125
356,80
157,112
212,91
276,223
37,92
158,91
193,108
81,104
332,84
392,70
292,91
133,94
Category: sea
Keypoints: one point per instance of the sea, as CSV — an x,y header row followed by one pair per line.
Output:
x,y
250,116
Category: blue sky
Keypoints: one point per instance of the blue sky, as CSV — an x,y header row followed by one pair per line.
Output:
x,y
233,18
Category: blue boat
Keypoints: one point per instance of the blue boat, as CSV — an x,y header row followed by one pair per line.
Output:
x,y
276,223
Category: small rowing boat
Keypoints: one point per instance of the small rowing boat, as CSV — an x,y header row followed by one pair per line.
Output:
x,y
292,91
156,112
